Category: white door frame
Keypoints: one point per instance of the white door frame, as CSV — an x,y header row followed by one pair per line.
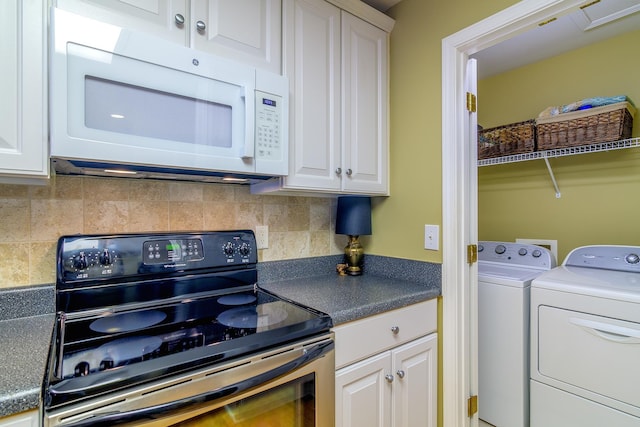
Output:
x,y
460,217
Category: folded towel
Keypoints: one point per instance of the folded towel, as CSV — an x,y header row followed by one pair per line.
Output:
x,y
598,101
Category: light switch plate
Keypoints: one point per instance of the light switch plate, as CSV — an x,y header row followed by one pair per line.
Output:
x,y
432,237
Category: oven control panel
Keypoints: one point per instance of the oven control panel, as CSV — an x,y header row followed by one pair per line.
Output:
x,y
98,258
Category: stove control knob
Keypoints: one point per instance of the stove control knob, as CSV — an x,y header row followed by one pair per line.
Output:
x,y
244,249
105,257
522,252
81,369
632,258
80,261
537,253
228,249
500,249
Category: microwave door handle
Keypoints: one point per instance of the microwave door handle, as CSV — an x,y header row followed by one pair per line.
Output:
x,y
187,404
248,149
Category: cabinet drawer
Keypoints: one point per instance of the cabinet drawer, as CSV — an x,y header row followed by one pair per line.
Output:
x,y
362,338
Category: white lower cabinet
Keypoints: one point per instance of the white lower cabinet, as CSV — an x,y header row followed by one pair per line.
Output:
x,y
25,419
387,369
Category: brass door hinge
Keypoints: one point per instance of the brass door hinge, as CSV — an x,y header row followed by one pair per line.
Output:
x,y
472,254
472,406
471,102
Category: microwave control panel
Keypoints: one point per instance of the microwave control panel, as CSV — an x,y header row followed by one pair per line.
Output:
x,y
268,126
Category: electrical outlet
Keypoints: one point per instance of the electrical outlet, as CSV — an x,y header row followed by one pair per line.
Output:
x,y
432,237
262,236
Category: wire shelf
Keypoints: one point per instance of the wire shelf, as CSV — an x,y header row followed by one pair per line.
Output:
x,y
560,152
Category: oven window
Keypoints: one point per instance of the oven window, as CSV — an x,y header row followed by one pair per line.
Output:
x,y
289,405
134,110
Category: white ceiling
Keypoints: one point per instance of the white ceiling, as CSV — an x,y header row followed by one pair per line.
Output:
x,y
602,20
583,27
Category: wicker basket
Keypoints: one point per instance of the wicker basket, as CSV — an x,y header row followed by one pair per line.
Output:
x,y
602,124
514,138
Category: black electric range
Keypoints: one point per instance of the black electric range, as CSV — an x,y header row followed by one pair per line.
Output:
x,y
132,308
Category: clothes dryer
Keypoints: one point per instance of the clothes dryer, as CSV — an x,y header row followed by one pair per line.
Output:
x,y
505,273
585,346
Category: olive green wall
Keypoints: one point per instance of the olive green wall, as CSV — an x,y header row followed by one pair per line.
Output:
x,y
415,123
600,202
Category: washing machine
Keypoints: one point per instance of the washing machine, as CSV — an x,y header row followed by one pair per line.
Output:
x,y
505,273
585,346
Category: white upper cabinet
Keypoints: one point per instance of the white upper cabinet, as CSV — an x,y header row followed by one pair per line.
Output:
x,y
23,108
337,68
249,31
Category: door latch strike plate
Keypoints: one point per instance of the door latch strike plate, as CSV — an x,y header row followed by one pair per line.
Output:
x,y
472,406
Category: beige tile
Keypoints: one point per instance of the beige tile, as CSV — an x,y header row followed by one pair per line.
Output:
x,y
51,219
298,217
108,216
112,189
42,264
186,216
8,191
297,244
59,187
219,216
275,217
320,217
319,243
14,226
185,192
242,194
248,215
140,190
218,193
14,268
148,215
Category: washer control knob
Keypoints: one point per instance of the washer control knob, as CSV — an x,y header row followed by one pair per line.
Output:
x,y
227,248
632,258
537,253
500,249
480,248
522,252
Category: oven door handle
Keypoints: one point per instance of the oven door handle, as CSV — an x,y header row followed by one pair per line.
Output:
x,y
187,404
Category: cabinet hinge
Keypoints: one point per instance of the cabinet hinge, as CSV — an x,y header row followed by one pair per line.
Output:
x,y
472,406
471,102
472,254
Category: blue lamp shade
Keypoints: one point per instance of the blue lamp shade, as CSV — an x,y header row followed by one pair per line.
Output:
x,y
353,216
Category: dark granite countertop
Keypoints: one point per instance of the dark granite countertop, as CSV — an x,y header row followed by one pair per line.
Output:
x,y
27,315
387,284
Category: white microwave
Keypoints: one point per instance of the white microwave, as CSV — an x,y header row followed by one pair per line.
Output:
x,y
124,102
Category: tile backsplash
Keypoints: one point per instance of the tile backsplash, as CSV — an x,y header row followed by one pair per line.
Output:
x,y
33,217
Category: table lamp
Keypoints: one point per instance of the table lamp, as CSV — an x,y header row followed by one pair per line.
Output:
x,y
354,219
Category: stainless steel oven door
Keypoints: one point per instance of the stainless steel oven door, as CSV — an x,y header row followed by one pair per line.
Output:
x,y
290,386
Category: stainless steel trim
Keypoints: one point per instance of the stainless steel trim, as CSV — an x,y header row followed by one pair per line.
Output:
x,y
211,380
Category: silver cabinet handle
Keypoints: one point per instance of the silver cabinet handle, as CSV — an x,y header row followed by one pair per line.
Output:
x,y
400,373
179,20
395,329
338,171
389,378
349,172
201,26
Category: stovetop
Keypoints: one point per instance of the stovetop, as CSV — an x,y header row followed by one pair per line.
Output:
x,y
134,308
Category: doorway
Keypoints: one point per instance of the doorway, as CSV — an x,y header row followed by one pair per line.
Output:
x,y
459,203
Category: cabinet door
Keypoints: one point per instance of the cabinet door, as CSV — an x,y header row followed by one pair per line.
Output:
x,y
312,63
363,395
23,113
245,30
160,18
365,94
25,419
415,385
